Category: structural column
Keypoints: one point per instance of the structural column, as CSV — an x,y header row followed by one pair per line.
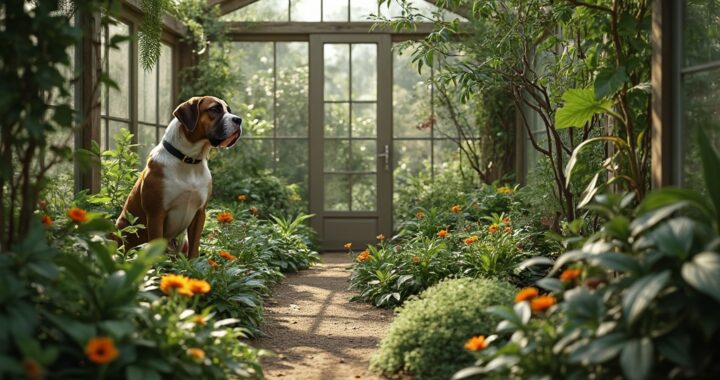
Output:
x,y
663,92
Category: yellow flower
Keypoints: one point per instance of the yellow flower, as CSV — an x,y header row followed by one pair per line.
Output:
x,y
101,350
198,286
470,240
570,274
177,283
348,246
476,343
507,230
419,214
199,320
455,209
225,217
380,237
442,233
493,228
526,294
227,255
542,303
242,197
504,190
416,259
196,354
364,255
77,215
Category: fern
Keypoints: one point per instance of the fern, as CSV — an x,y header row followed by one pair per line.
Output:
x,y
150,31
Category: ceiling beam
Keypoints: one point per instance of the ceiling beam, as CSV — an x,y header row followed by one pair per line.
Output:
x,y
304,28
227,6
462,10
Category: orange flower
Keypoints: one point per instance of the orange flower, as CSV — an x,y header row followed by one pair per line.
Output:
x,y
416,259
442,233
199,320
177,283
455,209
32,369
364,255
542,303
419,214
101,350
526,294
196,354
476,343
493,228
254,210
213,264
242,197
46,220
506,220
507,230
227,255
77,215
380,237
570,274
471,240
348,246
198,286
225,217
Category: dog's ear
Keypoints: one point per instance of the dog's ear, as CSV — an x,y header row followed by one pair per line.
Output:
x,y
188,113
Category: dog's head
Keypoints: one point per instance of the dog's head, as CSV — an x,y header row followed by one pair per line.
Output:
x,y
209,118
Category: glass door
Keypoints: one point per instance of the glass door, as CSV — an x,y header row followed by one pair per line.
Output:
x,y
350,118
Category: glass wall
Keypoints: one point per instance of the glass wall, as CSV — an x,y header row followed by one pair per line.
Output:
x,y
154,101
700,85
115,115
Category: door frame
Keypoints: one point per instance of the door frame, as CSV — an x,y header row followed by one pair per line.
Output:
x,y
384,189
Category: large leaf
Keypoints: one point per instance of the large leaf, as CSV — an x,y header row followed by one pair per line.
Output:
x,y
600,349
616,261
703,273
608,81
636,358
642,294
619,145
580,106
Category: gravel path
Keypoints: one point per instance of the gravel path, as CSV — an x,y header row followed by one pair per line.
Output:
x,y
313,329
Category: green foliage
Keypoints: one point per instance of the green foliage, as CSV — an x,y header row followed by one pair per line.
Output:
x,y
151,31
579,107
426,338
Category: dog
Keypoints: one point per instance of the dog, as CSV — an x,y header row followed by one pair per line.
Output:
x,y
172,191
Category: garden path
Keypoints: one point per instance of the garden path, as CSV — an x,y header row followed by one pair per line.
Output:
x,y
313,329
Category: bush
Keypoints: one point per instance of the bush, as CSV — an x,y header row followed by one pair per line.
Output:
x,y
426,338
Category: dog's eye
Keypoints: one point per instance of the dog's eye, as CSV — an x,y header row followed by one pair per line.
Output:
x,y
216,109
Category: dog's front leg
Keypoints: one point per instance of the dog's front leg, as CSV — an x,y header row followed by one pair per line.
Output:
x,y
156,225
194,232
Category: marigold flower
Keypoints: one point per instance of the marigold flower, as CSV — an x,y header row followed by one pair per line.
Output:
x,y
101,350
198,286
416,259
380,237
199,320
227,255
242,197
254,210
493,228
177,283
77,215
213,264
197,354
470,240
476,343
442,233
364,255
225,217
504,190
506,220
507,230
526,294
348,246
32,369
46,220
542,303
455,209
570,274
419,214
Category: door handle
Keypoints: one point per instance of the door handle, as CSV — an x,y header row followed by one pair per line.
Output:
x,y
386,155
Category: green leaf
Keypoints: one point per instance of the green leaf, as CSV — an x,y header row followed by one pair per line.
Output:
x,y
619,145
676,347
669,195
600,349
616,261
711,167
636,358
580,106
609,80
552,284
80,332
647,221
703,274
642,294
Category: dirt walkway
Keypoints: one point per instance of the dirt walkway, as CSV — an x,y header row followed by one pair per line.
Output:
x,y
315,331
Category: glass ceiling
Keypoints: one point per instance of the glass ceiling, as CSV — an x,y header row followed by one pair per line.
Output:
x,y
328,11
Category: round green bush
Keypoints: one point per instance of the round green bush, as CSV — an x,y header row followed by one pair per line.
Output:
x,y
426,338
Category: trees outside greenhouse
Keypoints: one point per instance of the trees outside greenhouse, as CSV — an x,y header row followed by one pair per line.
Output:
x,y
508,188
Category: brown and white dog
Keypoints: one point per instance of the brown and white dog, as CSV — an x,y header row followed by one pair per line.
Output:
x,y
172,191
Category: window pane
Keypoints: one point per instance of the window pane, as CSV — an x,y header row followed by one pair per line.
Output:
x,y
360,10
337,118
292,89
701,98
364,154
291,163
166,79
263,10
412,111
364,72
337,155
410,158
337,192
119,71
305,10
253,61
146,140
444,153
147,94
701,32
113,128
363,192
337,71
252,152
364,121
335,10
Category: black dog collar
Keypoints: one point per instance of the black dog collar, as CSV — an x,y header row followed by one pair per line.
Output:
x,y
175,152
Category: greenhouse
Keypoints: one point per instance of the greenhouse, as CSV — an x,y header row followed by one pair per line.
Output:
x,y
376,189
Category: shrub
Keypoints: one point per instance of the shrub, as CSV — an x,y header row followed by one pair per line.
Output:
x,y
426,338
